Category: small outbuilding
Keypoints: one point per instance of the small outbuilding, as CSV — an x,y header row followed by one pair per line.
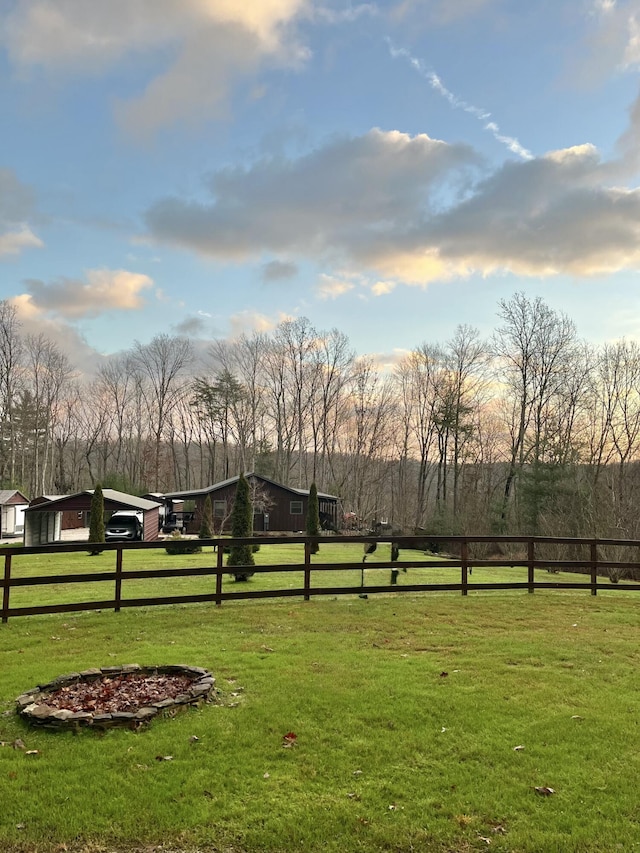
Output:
x,y
43,518
12,506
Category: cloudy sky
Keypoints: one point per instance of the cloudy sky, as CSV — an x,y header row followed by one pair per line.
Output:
x,y
390,168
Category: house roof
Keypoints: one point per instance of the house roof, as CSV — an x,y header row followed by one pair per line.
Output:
x,y
12,496
109,495
195,493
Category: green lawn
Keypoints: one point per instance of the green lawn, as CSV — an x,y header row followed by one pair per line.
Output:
x,y
407,710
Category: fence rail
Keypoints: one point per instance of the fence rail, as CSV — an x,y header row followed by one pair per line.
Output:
x,y
593,565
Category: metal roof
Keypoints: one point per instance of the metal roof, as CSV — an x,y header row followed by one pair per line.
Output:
x,y
195,493
7,494
128,501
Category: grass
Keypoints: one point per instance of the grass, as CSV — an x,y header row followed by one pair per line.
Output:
x,y
407,709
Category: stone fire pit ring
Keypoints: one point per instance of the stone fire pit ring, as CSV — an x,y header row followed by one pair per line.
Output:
x,y
184,686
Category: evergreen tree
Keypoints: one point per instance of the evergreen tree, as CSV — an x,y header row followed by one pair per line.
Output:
x,y
206,527
96,525
313,517
241,526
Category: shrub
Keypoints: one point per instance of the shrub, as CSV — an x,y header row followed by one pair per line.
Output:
x,y
241,527
96,525
313,517
206,527
178,544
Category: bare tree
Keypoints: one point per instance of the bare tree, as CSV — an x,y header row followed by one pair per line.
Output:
x,y
161,365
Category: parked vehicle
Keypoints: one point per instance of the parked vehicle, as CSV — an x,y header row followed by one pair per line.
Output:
x,y
177,521
124,526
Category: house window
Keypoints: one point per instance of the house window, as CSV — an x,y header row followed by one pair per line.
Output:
x,y
219,509
295,507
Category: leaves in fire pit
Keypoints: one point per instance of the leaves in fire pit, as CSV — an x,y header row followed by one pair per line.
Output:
x,y
125,693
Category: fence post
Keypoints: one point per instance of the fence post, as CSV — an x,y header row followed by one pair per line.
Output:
x,y
307,569
594,568
118,590
5,592
530,567
219,566
464,556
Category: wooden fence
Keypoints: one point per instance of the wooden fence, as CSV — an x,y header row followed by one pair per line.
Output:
x,y
463,553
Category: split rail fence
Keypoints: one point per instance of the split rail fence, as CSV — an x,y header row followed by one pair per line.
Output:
x,y
591,559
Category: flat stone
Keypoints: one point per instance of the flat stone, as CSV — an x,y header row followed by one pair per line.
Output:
x,y
60,681
101,718
41,711
80,717
62,714
166,703
26,699
200,689
131,667
90,674
110,670
122,716
145,713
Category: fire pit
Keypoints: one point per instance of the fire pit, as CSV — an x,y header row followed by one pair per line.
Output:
x,y
127,695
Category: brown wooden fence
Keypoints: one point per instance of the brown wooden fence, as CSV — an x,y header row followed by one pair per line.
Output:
x,y
592,558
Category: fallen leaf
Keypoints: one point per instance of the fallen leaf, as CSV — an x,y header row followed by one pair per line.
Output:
x,y
353,796
518,748
577,717
357,772
20,825
266,775
18,744
444,674
499,829
289,740
484,838
393,807
194,739
267,648
32,752
544,791
164,757
443,729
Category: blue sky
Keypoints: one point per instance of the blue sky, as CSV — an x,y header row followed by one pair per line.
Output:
x,y
392,169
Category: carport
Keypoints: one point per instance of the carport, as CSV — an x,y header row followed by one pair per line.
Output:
x,y
43,521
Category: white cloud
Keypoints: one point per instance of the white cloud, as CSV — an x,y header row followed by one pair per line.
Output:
x,y
205,44
382,288
17,205
34,321
13,242
407,209
246,322
339,199
104,290
331,288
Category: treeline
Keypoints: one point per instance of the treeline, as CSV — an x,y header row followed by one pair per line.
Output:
x,y
532,430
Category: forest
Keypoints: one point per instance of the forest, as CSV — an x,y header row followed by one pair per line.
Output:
x,y
530,431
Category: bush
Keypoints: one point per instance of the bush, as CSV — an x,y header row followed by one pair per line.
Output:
x,y
96,525
241,556
178,544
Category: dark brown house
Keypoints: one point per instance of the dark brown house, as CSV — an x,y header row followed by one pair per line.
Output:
x,y
275,507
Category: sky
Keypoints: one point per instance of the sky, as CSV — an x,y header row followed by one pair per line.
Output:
x,y
391,169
